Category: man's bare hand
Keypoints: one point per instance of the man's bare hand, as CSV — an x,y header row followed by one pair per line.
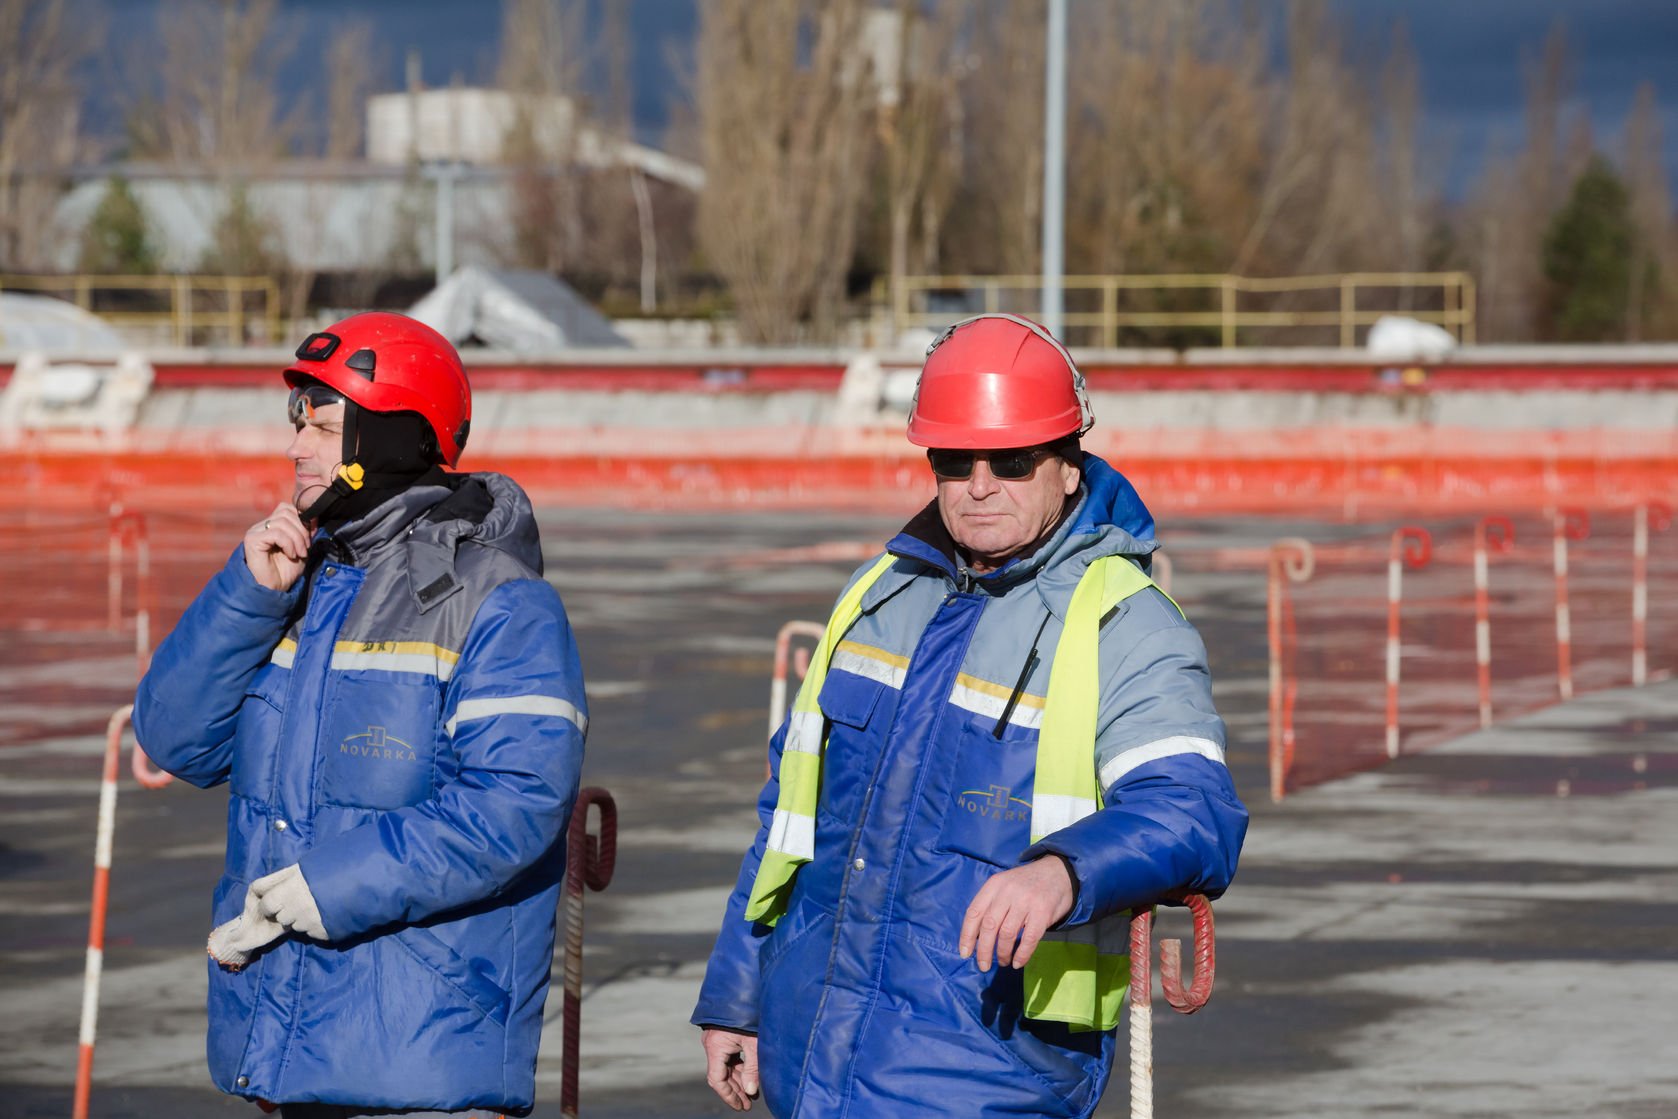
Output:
x,y
1011,912
731,1065
275,548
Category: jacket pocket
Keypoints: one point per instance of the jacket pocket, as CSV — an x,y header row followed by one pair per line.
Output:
x,y
792,965
232,997
443,962
988,814
378,743
856,710
257,732
990,1007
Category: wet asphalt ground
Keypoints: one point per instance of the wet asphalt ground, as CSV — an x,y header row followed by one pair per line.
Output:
x,y
1486,929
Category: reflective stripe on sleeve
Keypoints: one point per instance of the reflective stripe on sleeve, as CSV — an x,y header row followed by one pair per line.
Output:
x,y
470,709
1154,751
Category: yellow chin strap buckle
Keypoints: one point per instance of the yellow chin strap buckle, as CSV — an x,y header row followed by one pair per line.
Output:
x,y
353,475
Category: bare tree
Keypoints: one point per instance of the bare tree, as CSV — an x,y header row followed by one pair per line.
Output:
x,y
1654,257
541,66
1402,180
1171,100
215,100
343,125
349,83
918,126
785,95
41,44
1514,200
1000,192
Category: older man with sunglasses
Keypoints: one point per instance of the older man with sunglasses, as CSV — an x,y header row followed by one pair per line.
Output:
x,y
1004,744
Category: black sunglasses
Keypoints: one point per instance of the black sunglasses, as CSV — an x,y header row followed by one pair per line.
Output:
x,y
1007,466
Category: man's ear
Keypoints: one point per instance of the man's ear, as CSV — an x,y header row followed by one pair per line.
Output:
x,y
1070,476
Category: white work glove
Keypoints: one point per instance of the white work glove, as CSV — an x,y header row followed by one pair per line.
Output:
x,y
232,944
273,904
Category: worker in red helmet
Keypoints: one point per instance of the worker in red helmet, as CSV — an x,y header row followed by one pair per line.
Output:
x,y
1004,743
393,694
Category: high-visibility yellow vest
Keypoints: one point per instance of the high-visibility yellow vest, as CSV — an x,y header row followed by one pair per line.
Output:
x,y
1078,976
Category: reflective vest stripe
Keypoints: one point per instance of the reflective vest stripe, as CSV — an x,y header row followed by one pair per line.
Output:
x,y
1078,976
792,833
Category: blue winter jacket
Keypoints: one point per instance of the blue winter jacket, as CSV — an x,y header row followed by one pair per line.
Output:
x,y
406,723
860,1001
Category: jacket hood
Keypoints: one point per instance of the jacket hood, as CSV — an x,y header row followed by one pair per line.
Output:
x,y
436,518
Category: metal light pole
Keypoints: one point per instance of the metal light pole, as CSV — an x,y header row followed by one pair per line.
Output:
x,y
1054,166
445,173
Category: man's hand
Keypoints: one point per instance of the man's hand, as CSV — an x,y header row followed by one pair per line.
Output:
x,y
731,1065
1016,905
234,943
276,547
284,897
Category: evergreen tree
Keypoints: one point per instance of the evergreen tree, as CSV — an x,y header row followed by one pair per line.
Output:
x,y
1588,258
242,243
117,240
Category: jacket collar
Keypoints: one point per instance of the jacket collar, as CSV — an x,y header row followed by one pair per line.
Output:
x,y
429,522
1108,518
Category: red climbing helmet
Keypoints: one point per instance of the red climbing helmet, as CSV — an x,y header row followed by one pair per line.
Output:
x,y
385,362
997,381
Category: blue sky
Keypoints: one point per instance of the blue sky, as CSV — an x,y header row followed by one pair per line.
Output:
x,y
1470,52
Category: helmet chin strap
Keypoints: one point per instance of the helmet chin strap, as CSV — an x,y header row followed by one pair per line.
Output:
x,y
350,478
350,475
383,454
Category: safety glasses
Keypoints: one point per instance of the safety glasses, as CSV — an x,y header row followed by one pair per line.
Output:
x,y
1006,466
305,399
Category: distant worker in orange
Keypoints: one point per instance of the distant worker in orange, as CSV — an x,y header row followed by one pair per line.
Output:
x,y
393,693
1004,743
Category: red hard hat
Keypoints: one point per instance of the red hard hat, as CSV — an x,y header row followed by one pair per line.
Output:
x,y
997,381
386,362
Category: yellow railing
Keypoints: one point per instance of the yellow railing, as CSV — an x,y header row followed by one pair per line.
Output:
x,y
1223,310
187,310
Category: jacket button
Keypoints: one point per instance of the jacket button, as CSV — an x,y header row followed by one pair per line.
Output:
x,y
243,1082
280,825
328,572
859,864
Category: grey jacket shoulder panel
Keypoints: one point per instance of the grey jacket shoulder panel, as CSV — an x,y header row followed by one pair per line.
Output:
x,y
427,580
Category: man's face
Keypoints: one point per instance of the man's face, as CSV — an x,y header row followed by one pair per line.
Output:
x,y
316,451
994,518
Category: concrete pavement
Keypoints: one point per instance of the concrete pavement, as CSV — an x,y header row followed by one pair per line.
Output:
x,y
1486,929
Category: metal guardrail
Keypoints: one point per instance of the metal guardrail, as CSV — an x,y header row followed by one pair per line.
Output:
x,y
1098,308
190,309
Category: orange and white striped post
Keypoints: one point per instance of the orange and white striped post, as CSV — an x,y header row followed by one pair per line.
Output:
x,y
1292,560
113,570
1411,547
1654,515
783,658
101,896
1491,534
1570,524
783,668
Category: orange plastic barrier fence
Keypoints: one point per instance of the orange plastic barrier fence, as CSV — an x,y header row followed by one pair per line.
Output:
x,y
1382,647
